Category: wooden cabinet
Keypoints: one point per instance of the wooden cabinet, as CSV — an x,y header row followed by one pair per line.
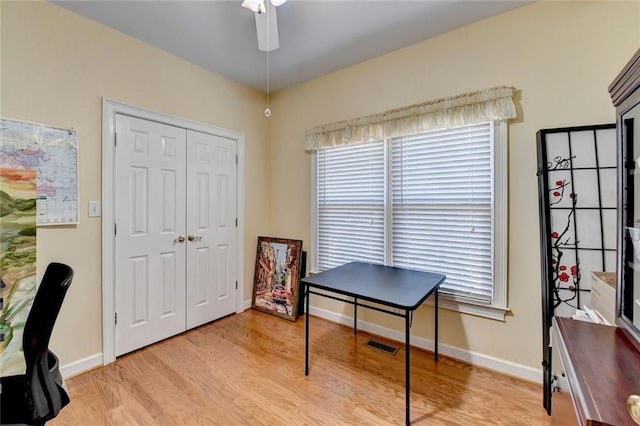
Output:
x,y
602,363
625,94
602,367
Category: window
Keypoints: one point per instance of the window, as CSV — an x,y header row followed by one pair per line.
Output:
x,y
351,199
431,201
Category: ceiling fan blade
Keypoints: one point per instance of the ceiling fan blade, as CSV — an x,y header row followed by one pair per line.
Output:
x,y
267,29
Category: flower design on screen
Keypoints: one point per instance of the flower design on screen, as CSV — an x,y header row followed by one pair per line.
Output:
x,y
565,277
559,163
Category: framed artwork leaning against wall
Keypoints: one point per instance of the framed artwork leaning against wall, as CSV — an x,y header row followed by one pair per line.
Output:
x,y
276,282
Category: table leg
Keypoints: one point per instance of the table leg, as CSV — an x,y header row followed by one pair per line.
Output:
x,y
407,366
306,331
436,321
355,315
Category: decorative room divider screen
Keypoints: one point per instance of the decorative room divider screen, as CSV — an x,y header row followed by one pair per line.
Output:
x,y
577,201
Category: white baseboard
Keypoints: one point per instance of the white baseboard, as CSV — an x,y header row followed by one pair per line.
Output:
x,y
474,358
81,366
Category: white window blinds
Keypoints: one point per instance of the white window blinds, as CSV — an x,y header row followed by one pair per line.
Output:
x,y
424,201
442,198
350,209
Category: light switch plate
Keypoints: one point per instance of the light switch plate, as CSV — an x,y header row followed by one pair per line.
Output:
x,y
95,209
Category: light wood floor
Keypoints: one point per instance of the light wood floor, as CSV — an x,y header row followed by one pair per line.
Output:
x,y
249,369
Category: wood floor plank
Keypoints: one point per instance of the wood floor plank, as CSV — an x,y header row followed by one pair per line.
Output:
x,y
249,369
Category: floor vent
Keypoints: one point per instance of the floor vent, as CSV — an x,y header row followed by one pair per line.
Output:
x,y
383,347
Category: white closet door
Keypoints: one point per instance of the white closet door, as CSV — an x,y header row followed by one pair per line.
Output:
x,y
211,227
150,218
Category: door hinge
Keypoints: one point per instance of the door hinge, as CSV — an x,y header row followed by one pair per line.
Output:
x,y
115,318
236,159
115,229
236,285
115,139
236,222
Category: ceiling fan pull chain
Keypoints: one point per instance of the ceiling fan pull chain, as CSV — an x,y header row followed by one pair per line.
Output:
x,y
267,111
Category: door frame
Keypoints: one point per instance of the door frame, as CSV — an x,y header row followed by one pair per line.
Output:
x,y
110,109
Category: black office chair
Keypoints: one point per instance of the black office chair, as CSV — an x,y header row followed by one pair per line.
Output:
x,y
38,395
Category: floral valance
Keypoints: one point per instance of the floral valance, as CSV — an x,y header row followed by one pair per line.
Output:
x,y
469,108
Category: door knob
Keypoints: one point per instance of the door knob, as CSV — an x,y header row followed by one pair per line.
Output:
x,y
179,239
192,237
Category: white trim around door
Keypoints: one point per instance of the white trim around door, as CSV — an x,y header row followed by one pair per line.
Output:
x,y
109,110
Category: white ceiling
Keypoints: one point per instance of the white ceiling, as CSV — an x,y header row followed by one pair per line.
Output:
x,y
316,36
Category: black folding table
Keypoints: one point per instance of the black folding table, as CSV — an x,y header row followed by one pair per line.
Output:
x,y
399,288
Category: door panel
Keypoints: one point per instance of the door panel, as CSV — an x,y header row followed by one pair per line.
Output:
x,y
223,259
211,224
139,265
150,214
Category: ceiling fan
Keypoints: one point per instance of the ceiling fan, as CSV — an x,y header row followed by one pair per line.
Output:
x,y
266,22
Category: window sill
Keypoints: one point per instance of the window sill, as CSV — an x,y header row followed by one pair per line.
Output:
x,y
466,307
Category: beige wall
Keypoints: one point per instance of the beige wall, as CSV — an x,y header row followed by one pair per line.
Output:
x,y
56,68
561,56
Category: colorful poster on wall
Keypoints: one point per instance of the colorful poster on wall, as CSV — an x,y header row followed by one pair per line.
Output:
x,y
17,263
53,153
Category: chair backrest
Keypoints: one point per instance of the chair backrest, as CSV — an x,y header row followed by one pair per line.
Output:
x,y
47,399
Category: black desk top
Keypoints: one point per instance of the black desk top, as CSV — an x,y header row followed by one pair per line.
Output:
x,y
396,287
